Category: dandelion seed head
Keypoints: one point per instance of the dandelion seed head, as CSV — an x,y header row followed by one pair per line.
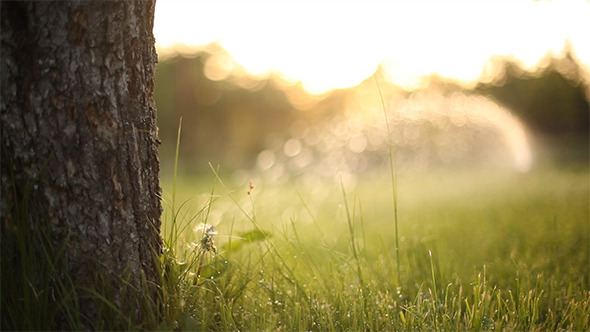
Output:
x,y
206,229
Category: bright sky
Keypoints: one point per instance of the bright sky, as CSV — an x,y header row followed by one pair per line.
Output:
x,y
336,44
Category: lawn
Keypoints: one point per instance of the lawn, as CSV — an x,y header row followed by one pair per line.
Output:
x,y
476,250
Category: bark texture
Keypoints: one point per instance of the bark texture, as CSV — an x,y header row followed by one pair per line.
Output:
x,y
78,126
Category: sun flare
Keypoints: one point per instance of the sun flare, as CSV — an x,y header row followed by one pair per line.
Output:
x,y
328,45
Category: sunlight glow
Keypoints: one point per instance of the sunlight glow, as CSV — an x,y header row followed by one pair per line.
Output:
x,y
432,130
329,45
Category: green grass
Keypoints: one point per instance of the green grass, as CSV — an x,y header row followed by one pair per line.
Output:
x,y
478,250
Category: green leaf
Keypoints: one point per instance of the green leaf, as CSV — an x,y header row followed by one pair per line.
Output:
x,y
245,238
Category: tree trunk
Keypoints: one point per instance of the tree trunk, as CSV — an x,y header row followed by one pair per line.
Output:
x,y
79,143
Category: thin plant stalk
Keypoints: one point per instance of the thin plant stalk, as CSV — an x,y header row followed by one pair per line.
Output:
x,y
174,212
393,181
434,290
201,261
352,237
433,275
176,163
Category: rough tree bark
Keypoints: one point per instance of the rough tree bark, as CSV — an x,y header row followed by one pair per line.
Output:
x,y
78,124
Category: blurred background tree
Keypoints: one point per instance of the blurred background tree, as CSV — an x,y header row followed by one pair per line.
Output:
x,y
226,121
230,116
552,100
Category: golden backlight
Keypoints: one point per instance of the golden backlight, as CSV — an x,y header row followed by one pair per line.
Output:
x,y
337,44
328,45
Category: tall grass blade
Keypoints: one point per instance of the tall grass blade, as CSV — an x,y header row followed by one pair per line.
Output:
x,y
174,231
393,181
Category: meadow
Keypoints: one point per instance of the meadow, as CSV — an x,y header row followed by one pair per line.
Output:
x,y
476,250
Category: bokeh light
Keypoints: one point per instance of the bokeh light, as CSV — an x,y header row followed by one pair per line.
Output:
x,y
429,129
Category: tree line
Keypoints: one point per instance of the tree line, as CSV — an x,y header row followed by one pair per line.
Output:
x,y
233,121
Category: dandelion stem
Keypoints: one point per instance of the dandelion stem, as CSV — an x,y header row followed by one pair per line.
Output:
x,y
202,260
